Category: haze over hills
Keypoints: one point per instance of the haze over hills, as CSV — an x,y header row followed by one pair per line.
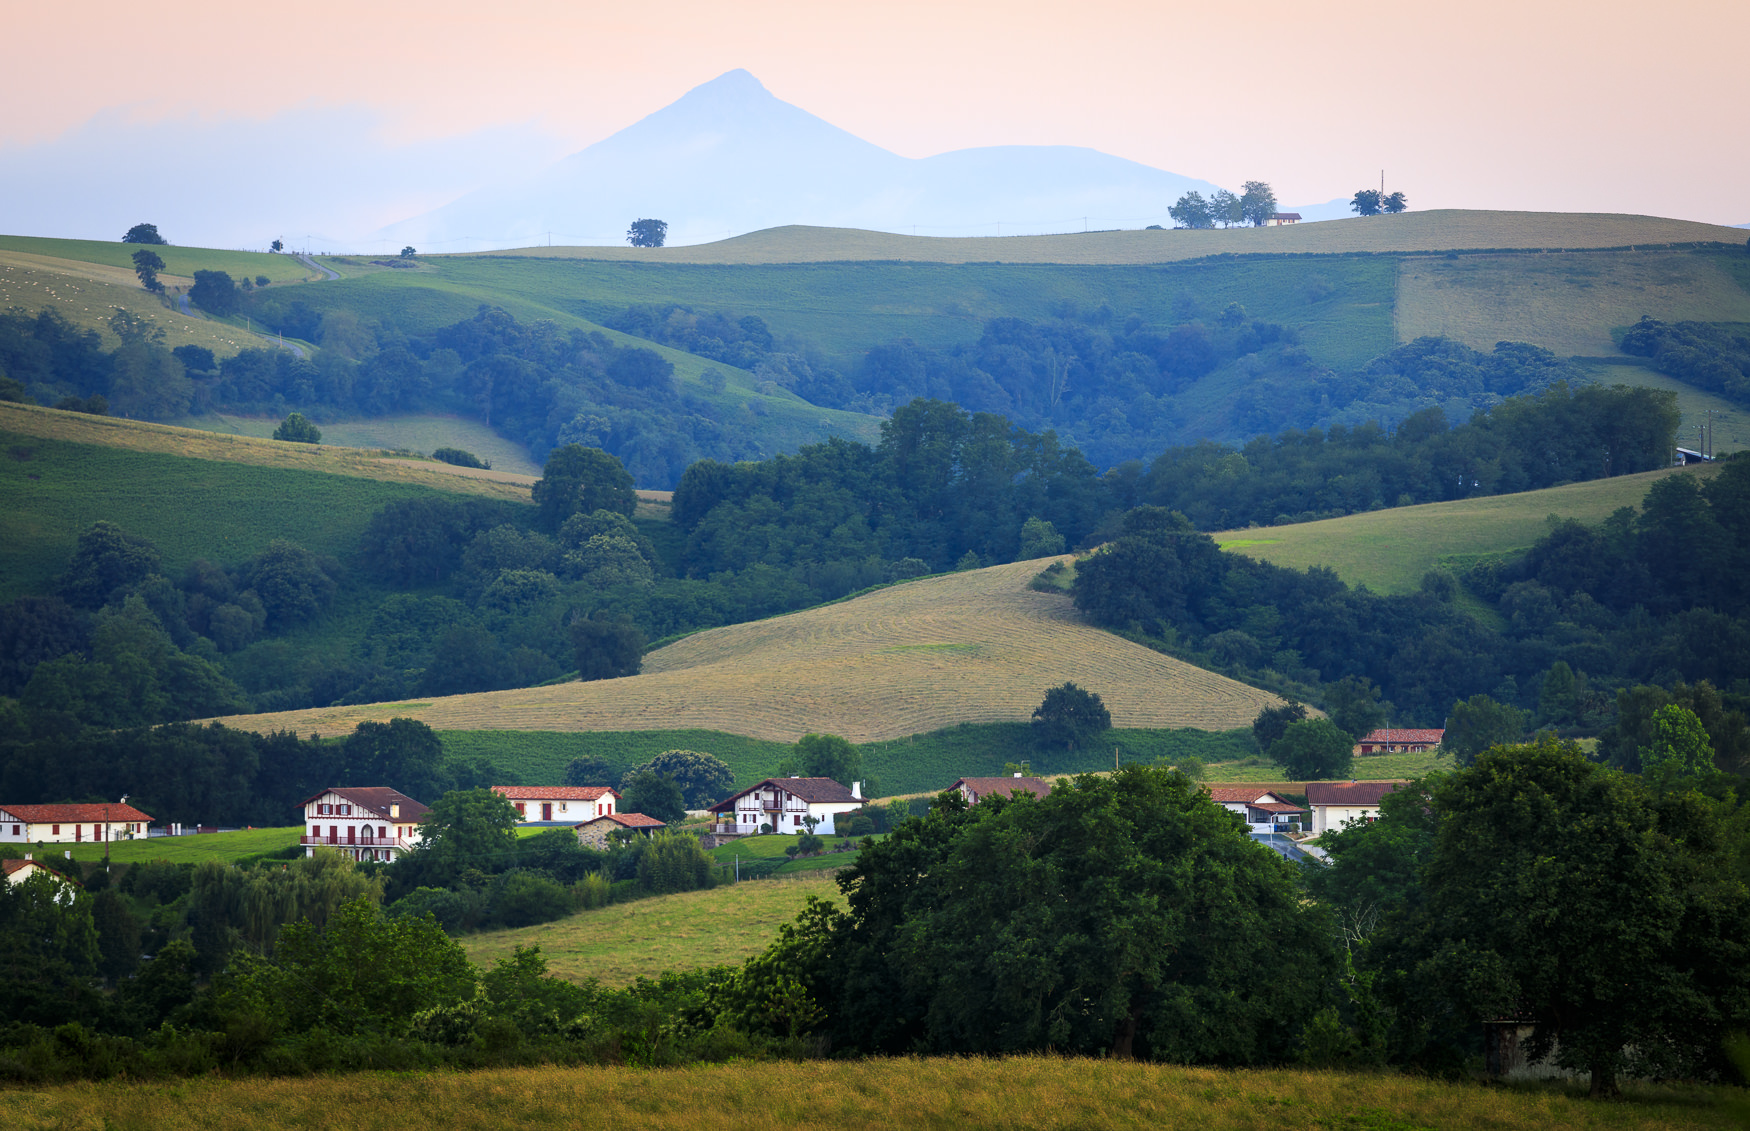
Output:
x,y
729,158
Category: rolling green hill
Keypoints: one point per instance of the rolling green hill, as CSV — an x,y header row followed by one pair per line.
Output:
x,y
1389,550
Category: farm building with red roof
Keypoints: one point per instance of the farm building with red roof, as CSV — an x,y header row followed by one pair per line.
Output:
x,y
1385,741
559,804
598,832
70,824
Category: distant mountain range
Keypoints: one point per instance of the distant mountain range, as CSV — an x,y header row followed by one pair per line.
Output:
x,y
729,158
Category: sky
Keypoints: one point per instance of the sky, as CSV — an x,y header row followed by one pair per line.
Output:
x,y
384,108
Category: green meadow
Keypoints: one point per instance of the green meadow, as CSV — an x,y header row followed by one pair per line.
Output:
x,y
178,261
226,848
1389,550
416,432
921,763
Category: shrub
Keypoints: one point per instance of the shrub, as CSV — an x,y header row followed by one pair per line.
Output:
x,y
460,458
525,898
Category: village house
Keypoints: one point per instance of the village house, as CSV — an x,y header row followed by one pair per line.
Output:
x,y
1399,741
365,822
598,832
1282,219
18,871
559,804
1335,804
976,789
785,804
1263,810
71,824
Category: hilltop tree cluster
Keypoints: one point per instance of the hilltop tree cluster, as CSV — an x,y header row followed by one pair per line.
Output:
x,y
1371,202
1254,206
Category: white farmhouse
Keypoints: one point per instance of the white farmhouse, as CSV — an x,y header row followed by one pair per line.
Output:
x,y
365,822
1335,804
565,804
785,804
70,824
1264,811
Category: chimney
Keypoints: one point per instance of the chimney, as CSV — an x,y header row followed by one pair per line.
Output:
x,y
27,856
1017,773
857,790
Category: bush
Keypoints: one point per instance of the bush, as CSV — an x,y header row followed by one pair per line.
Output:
x,y
593,891
674,862
296,429
460,458
525,898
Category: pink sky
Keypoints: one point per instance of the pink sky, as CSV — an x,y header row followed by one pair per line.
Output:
x,y
1486,104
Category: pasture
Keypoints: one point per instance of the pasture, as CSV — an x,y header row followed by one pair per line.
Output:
x,y
179,262
1731,422
1390,550
1568,303
691,930
418,432
87,295
917,763
870,669
1046,1093
1434,230
193,494
226,848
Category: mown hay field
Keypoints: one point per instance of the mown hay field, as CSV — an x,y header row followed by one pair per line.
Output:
x,y
687,931
415,432
193,494
1390,550
1568,303
969,647
1436,230
181,262
950,1093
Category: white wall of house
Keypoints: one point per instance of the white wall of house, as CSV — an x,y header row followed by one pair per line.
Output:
x,y
786,812
561,809
16,831
1336,816
332,821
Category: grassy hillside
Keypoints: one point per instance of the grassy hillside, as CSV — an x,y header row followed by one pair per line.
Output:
x,y
1390,550
621,942
917,763
1437,230
194,495
1731,422
973,647
179,262
223,847
423,433
931,1094
1568,303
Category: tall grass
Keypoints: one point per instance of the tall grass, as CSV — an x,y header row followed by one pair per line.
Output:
x,y
910,1092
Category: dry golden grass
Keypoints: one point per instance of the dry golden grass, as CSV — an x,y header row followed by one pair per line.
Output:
x,y
1390,550
694,929
1439,230
902,1092
1566,303
87,294
967,647
135,435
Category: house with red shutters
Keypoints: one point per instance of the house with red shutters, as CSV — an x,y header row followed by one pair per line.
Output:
x,y
785,805
598,832
1263,810
559,804
71,824
370,822
1384,741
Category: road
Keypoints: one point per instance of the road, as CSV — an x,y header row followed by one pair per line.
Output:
x,y
297,350
328,272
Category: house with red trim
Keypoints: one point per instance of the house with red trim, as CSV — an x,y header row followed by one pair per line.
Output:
x,y
785,804
1263,810
559,804
975,790
365,822
1335,804
1282,219
598,832
1384,741
18,871
71,824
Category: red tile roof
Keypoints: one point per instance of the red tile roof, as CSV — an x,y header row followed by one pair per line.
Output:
x,y
554,792
7,867
815,791
1404,736
628,820
984,787
76,814
1240,795
376,798
1357,794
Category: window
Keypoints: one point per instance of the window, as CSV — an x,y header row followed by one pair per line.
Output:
x,y
346,810
521,809
57,830
324,810
796,819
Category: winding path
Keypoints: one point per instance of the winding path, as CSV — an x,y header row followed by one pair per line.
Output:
x,y
328,272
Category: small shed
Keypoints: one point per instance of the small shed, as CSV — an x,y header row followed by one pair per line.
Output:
x,y
977,789
598,832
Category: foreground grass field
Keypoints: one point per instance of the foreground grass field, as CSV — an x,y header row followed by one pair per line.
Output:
x,y
977,646
907,1092
1389,550
688,931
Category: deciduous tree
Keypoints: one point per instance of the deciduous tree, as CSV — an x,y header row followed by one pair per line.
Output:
x,y
1069,718
1314,750
147,264
578,479
647,233
144,233
296,429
